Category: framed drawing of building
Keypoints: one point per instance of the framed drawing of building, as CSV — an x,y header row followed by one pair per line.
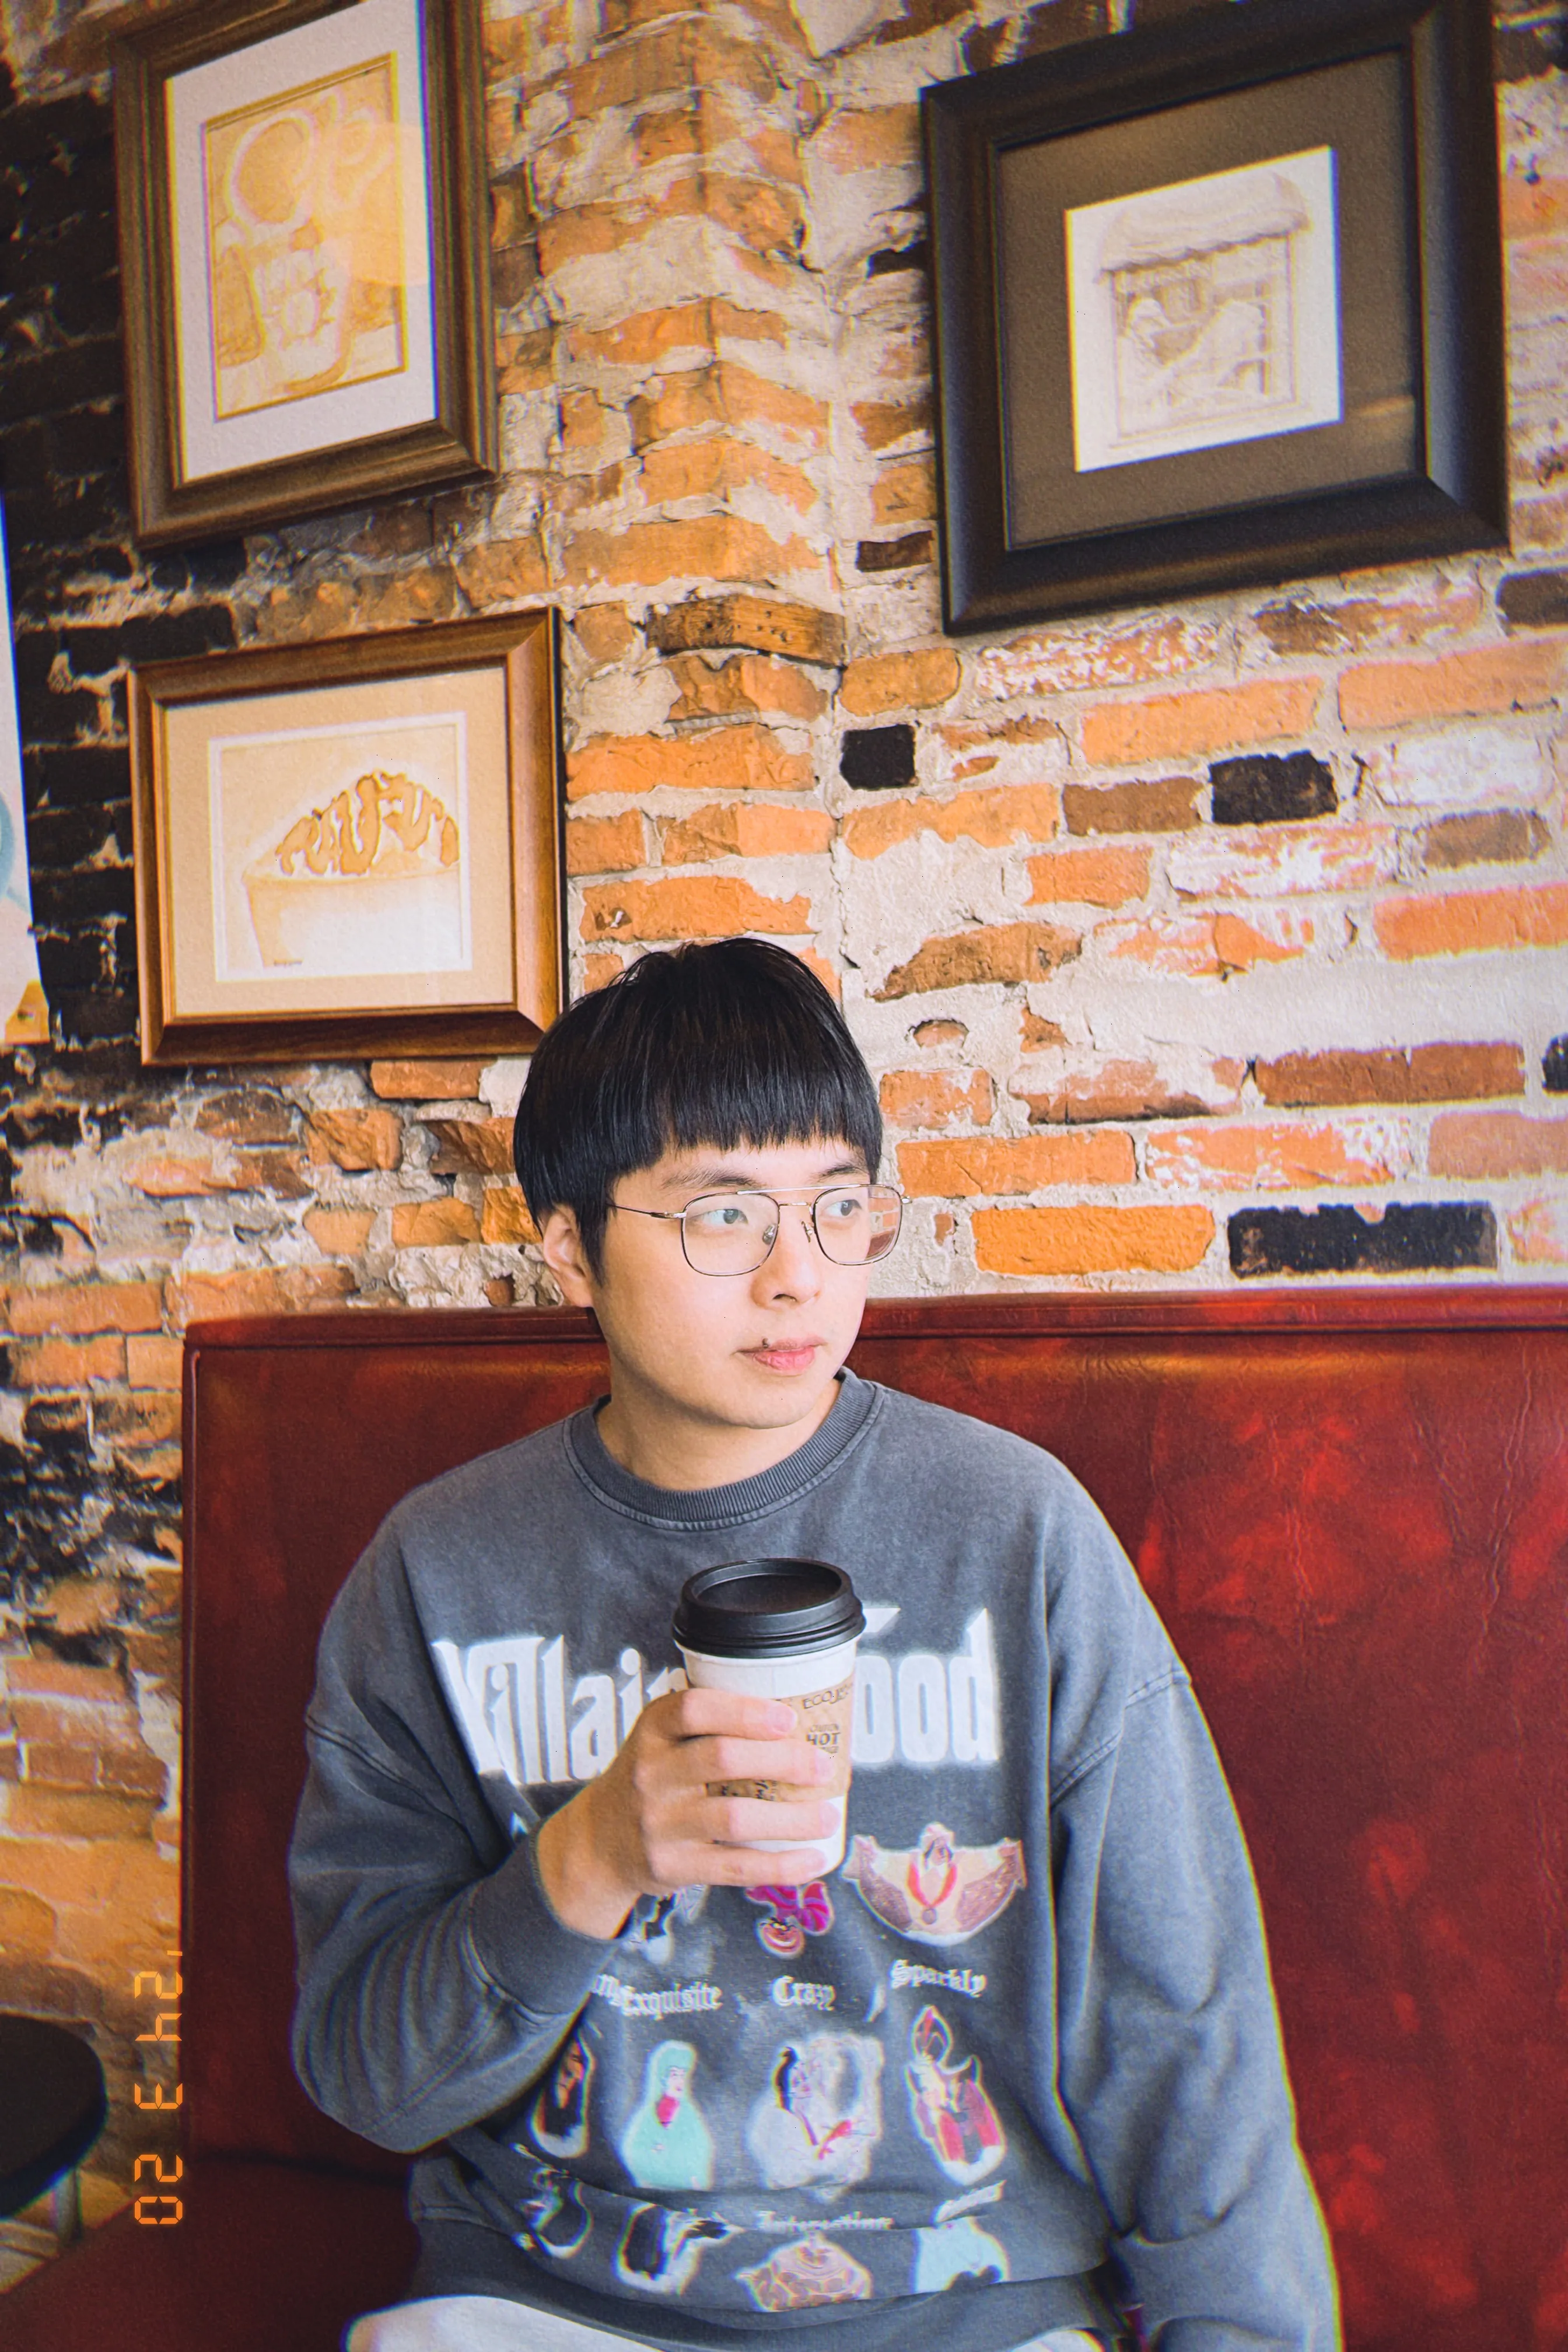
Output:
x,y
350,847
1215,303
305,257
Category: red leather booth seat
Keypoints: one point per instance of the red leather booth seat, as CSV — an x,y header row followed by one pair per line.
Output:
x,y
1352,1513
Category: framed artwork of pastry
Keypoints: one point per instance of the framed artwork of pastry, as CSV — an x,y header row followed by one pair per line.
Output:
x,y
303,241
351,848
1217,302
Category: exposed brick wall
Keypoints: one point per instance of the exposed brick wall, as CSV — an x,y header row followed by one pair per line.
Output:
x,y
1218,944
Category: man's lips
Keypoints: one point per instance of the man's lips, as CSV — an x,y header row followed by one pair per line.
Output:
x,y
783,1355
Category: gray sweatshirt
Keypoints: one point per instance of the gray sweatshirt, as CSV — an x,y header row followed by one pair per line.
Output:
x,y
1020,2051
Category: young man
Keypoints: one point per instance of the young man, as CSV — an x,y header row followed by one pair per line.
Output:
x,y
685,2091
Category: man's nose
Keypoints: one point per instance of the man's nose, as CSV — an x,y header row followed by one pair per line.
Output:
x,y
796,1254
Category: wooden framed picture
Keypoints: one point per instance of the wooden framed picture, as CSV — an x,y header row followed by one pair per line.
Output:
x,y
1219,302
351,848
304,249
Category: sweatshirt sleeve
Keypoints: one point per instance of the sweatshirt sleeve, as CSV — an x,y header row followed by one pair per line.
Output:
x,y
435,1981
1173,2069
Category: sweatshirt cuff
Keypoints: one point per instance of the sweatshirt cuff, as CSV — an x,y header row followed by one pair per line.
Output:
x,y
545,1967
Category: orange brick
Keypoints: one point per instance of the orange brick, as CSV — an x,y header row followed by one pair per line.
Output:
x,y
982,1166
500,570
928,1099
472,1146
1188,726
76,1310
1469,922
338,1232
904,493
1498,1143
883,422
606,844
433,1225
257,1290
170,1177
1207,947
724,759
651,335
1008,953
930,1034
1539,1232
598,970
68,1363
714,547
764,624
718,465
153,1361
1518,676
354,1140
742,829
1414,1075
370,600
426,1081
1283,861
148,1417
915,680
1095,878
994,817
870,139
247,1115
603,632
1045,1242
1533,207
1102,1087
27,1923
1162,804
503,1215
47,1812
1062,661
1304,625
747,683
724,394
708,907
1280,1158
55,1678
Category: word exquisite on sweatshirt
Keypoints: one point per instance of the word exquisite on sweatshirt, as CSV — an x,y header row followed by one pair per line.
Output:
x,y
525,1715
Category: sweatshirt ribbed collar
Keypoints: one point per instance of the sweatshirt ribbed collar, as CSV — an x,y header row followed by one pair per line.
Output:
x,y
720,1507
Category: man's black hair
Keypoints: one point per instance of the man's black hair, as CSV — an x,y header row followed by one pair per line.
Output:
x,y
734,1042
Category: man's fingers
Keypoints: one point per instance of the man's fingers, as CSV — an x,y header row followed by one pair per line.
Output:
x,y
787,1761
736,1821
698,1714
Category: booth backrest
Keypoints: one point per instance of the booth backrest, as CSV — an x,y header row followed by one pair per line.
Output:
x,y
1351,1512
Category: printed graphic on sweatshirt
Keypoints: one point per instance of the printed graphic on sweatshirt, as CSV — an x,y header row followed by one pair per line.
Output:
x,y
559,2117
554,2218
820,2118
528,1714
814,2271
958,2249
936,1892
661,2248
667,2144
794,1914
950,2103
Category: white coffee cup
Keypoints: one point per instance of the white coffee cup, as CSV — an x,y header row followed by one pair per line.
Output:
x,y
783,1629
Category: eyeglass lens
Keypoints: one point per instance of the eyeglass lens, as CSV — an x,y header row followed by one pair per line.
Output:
x,y
732,1233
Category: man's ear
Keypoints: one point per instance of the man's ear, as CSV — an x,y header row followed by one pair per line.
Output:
x,y
561,1245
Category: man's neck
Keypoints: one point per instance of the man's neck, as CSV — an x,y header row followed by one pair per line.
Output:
x,y
671,1451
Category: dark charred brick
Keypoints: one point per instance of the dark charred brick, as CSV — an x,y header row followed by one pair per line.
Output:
x,y
172,636
892,258
1496,837
1410,1237
57,1428
93,651
1534,599
247,1116
94,1016
61,898
71,377
40,1121
879,759
1266,788
1526,52
1554,1066
95,773
894,554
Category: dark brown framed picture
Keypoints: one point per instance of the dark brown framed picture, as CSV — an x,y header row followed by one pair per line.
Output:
x,y
351,848
1217,303
305,257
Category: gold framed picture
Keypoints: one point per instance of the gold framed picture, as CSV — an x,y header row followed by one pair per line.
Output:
x,y
305,257
351,848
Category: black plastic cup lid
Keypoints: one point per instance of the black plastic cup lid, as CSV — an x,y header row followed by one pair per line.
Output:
x,y
767,1608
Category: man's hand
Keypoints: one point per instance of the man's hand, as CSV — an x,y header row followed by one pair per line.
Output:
x,y
647,1825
